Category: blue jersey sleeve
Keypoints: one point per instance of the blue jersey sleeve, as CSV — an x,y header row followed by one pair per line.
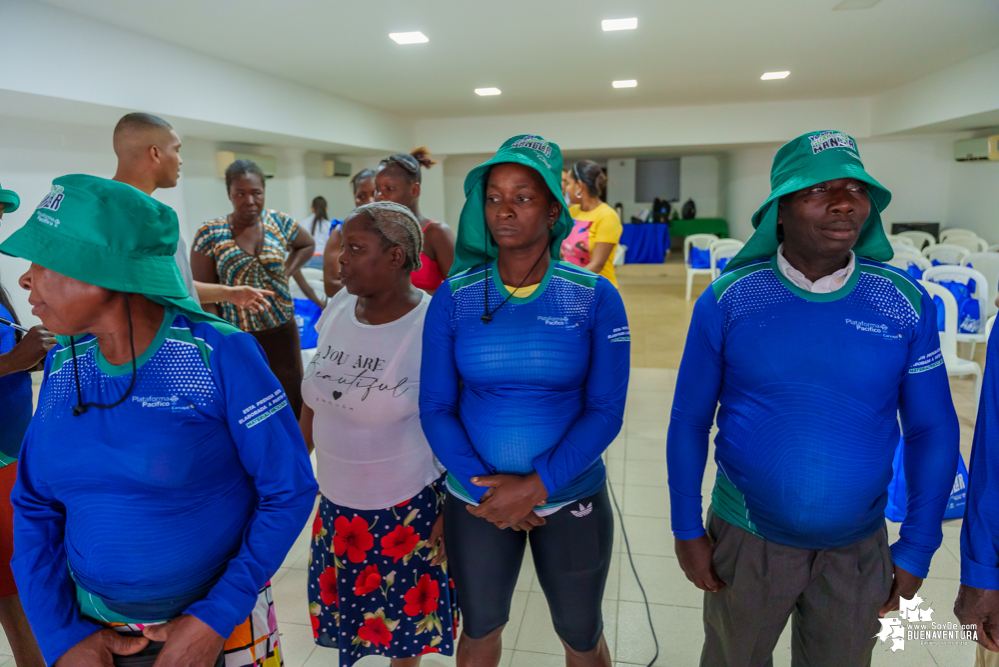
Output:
x,y
932,437
980,532
439,388
606,392
695,400
271,449
47,591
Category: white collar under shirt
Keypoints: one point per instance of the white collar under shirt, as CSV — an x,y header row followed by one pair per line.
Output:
x,y
824,285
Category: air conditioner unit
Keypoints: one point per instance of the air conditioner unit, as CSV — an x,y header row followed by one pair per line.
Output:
x,y
335,169
982,148
267,163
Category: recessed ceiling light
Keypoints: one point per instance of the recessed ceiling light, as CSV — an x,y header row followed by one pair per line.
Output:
x,y
409,37
619,24
855,4
628,83
770,76
486,92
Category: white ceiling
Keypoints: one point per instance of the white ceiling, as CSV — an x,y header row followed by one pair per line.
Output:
x,y
552,56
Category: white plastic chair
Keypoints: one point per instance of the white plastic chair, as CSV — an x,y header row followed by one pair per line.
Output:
x,y
701,242
919,239
993,248
902,260
971,242
619,253
900,247
989,325
964,274
945,253
723,249
951,231
986,263
893,238
956,367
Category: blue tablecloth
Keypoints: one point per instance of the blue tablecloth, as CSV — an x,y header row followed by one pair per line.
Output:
x,y
647,243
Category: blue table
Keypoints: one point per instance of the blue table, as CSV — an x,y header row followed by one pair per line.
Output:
x,y
647,243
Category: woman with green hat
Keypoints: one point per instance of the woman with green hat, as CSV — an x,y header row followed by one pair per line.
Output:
x,y
806,353
163,478
523,384
20,352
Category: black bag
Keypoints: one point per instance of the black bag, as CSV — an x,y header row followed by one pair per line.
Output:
x,y
689,210
660,210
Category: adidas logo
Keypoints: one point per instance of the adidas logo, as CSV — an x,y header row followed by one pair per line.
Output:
x,y
582,511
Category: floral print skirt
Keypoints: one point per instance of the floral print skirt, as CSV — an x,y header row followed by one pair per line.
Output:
x,y
372,588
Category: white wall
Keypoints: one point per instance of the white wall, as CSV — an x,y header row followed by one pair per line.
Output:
x,y
455,170
700,181
973,198
88,61
621,186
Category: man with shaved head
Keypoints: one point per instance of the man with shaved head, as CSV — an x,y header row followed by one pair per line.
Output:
x,y
148,150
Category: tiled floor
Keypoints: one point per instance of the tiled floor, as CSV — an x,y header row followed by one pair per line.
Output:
x,y
637,471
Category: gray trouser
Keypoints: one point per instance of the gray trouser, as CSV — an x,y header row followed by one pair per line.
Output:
x,y
832,595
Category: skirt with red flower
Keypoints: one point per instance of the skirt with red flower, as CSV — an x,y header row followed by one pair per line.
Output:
x,y
372,588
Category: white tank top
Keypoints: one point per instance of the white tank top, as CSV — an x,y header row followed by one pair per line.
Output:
x,y
364,386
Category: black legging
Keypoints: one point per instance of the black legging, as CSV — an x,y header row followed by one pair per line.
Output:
x,y
572,554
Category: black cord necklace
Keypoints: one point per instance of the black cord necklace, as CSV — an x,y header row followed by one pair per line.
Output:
x,y
487,317
80,406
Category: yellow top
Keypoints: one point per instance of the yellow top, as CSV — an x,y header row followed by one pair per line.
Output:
x,y
523,292
606,228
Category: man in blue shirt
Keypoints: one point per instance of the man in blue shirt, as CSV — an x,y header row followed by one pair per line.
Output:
x,y
978,600
812,348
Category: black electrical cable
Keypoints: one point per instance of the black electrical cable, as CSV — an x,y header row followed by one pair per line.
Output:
x,y
487,316
627,546
80,406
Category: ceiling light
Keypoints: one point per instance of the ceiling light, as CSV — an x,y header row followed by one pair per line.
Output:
x,y
409,37
855,4
770,76
629,83
486,92
619,24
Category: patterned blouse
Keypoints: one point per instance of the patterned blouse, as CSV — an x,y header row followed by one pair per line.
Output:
x,y
236,267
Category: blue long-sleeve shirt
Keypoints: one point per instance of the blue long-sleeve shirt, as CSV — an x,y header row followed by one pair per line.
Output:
x,y
809,386
540,388
980,532
183,499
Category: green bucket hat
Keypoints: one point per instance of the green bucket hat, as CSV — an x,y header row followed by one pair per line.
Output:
x,y
10,200
475,245
108,234
813,158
